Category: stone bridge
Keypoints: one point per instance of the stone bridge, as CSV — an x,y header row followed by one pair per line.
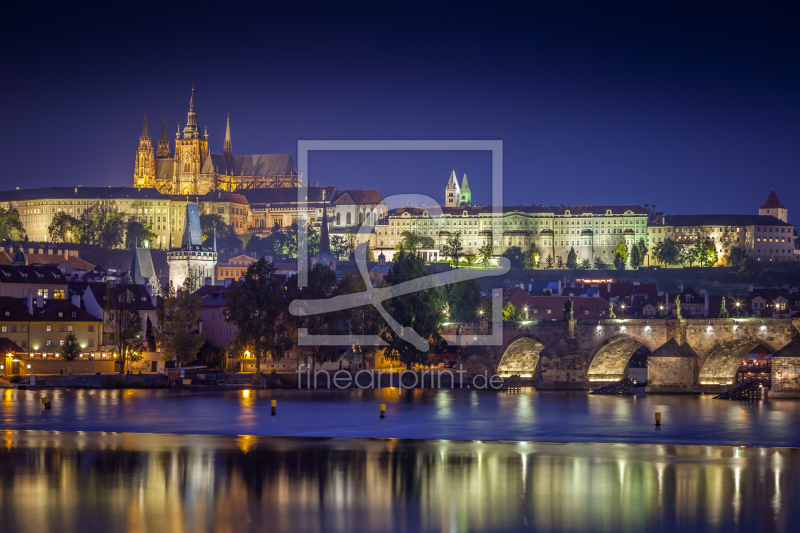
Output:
x,y
687,355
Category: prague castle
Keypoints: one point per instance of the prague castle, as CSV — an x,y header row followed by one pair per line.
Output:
x,y
194,169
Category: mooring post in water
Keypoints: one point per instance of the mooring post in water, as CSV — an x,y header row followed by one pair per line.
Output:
x,y
45,402
658,419
274,404
383,410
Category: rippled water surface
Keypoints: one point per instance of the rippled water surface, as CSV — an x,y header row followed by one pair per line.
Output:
x,y
98,482
416,414
448,461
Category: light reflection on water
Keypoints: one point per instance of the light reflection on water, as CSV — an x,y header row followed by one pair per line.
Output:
x,y
418,414
85,482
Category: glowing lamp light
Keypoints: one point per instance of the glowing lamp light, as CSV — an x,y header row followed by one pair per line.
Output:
x,y
763,328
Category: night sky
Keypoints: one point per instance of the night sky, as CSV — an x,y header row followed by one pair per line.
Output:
x,y
694,109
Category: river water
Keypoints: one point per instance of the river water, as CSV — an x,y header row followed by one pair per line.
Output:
x,y
139,460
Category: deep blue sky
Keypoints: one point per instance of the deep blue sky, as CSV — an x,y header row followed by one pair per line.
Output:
x,y
695,109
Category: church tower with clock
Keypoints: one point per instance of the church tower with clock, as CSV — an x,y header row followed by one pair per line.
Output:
x,y
191,151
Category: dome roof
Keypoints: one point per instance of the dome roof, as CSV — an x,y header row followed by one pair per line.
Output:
x,y
20,258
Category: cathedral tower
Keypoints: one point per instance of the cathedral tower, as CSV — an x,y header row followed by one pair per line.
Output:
x,y
452,192
465,196
144,172
191,150
163,143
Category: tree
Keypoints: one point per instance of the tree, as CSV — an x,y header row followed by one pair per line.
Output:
x,y
485,252
572,259
512,313
409,242
515,256
63,227
178,314
736,256
255,306
123,323
621,256
139,234
599,264
642,250
420,310
70,350
636,257
212,356
667,252
463,299
227,239
470,258
361,320
256,246
452,248
101,225
321,282
583,265
706,252
149,336
532,258
549,263
559,262
339,246
11,227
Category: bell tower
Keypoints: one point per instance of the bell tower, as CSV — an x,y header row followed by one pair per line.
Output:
x,y
144,171
191,151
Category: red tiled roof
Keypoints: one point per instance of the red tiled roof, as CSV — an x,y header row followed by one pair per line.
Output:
x,y
773,202
552,307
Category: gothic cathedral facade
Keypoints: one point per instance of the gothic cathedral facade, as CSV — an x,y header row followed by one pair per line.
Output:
x,y
194,170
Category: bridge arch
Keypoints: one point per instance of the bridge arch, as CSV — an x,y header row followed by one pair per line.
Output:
x,y
520,356
722,364
609,361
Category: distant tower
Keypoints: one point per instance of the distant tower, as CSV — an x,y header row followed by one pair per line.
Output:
x,y
191,150
144,172
452,192
192,259
163,143
774,207
228,148
325,256
465,197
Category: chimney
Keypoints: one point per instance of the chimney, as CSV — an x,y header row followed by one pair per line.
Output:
x,y
76,300
706,303
39,301
30,304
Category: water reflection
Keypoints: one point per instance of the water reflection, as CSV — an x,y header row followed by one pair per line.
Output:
x,y
144,482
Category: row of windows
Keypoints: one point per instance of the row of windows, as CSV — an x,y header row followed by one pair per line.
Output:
x,y
228,334
49,342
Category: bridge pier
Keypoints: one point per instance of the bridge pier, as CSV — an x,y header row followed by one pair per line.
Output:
x,y
562,366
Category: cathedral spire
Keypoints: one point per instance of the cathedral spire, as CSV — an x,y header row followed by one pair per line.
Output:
x,y
145,132
163,142
191,131
228,149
